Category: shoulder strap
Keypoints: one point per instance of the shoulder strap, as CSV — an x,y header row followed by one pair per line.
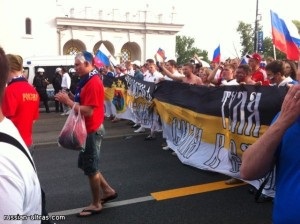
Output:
x,y
11,140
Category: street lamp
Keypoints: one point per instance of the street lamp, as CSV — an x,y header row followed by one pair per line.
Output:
x,y
256,27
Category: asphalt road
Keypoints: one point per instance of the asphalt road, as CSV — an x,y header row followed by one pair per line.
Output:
x,y
154,187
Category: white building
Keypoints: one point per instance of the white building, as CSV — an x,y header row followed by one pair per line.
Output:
x,y
47,28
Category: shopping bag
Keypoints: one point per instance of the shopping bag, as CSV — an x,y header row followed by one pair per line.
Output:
x,y
73,134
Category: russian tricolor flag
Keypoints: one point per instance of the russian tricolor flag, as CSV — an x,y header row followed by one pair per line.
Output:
x,y
103,57
161,55
244,60
217,55
282,39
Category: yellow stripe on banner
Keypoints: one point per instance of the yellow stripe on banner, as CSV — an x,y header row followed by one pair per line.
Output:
x,y
185,191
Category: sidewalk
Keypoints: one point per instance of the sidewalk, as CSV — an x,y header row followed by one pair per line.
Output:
x,y
49,125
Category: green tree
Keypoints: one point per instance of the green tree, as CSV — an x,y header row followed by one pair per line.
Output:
x,y
246,32
185,50
269,49
297,24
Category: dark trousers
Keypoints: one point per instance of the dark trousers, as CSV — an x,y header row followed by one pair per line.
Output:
x,y
46,106
58,106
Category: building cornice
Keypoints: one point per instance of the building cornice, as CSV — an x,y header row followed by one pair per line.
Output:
x,y
63,23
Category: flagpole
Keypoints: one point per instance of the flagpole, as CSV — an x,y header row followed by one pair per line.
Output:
x,y
274,51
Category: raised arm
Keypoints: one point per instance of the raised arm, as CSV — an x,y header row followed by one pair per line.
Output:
x,y
212,75
196,57
170,74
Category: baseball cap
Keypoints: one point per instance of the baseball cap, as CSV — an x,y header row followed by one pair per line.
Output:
x,y
137,63
255,56
58,69
121,67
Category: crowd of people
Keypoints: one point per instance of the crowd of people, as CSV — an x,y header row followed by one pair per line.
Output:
x,y
256,71
85,93
62,80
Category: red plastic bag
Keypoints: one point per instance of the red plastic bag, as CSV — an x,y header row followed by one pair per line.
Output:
x,y
73,134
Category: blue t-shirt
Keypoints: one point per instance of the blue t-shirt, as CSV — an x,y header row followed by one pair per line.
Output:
x,y
287,197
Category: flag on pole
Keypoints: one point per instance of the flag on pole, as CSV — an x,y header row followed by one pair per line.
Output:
x,y
282,39
161,56
103,57
217,55
244,60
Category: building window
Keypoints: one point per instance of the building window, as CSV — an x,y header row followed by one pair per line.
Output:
x,y
72,50
28,26
126,55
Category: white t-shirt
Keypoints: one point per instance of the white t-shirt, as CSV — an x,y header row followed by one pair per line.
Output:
x,y
153,77
20,191
232,82
286,81
130,72
66,81
176,73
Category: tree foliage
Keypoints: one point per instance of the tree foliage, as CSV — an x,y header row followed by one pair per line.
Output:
x,y
297,24
185,50
246,32
269,49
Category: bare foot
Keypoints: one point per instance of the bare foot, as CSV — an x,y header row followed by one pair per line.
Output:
x,y
108,197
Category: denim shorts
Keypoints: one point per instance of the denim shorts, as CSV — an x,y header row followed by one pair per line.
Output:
x,y
89,156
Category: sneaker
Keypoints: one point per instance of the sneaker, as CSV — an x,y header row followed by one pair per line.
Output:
x,y
174,154
68,112
164,144
63,114
140,130
135,126
232,181
149,137
166,148
264,198
115,120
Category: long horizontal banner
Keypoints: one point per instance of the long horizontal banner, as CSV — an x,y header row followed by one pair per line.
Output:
x,y
135,96
208,127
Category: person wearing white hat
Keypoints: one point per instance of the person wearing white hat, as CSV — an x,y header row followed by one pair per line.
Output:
x,y
137,71
74,80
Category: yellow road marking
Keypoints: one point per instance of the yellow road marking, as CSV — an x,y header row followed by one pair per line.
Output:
x,y
184,191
